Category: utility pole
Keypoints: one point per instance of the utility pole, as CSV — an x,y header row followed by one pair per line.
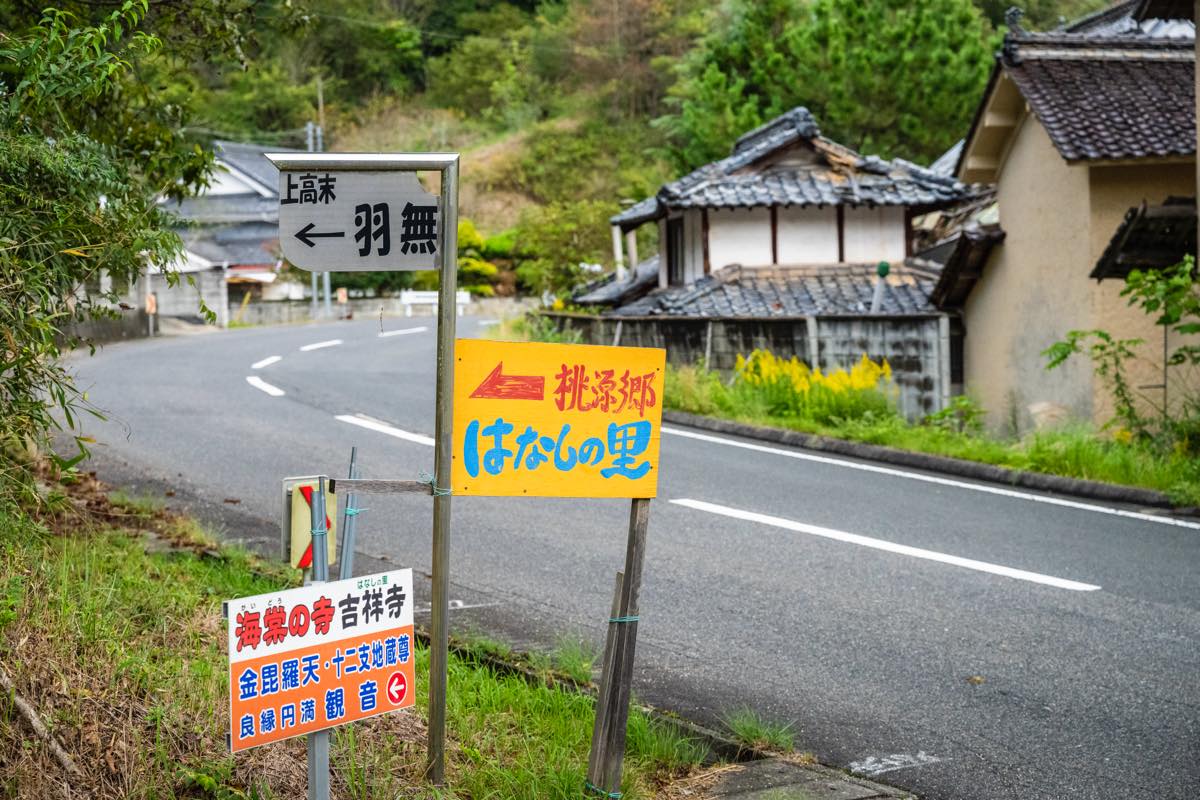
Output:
x,y
320,148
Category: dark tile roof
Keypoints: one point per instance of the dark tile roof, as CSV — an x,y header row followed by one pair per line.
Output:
x,y
832,175
1109,86
244,243
608,291
963,257
1150,237
217,209
251,159
843,289
1111,100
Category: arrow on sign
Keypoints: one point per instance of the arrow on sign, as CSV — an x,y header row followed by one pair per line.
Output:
x,y
497,386
307,235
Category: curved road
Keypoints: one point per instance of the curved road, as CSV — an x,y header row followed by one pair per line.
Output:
x,y
959,640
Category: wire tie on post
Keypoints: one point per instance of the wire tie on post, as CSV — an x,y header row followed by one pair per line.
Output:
x,y
354,512
594,789
633,618
437,491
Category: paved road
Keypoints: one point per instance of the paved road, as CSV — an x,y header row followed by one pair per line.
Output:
x,y
955,639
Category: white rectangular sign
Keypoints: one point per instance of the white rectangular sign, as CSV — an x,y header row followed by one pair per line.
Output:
x,y
357,221
308,659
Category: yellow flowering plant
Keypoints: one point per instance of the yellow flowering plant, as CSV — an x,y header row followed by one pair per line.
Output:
x,y
789,388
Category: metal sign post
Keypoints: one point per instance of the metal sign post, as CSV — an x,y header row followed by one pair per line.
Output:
x,y
318,743
368,212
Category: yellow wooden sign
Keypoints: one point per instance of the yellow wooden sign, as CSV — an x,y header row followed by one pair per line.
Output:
x,y
556,420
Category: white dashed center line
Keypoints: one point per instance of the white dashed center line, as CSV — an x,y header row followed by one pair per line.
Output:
x,y
263,386
890,547
363,421
266,362
403,331
319,345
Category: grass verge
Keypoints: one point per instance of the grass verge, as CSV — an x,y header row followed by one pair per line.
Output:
x,y
110,627
1074,452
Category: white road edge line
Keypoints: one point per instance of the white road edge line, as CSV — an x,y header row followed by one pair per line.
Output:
x,y
402,331
266,362
916,476
890,547
319,345
363,421
261,385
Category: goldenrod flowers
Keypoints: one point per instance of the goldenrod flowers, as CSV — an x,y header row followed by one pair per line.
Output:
x,y
789,388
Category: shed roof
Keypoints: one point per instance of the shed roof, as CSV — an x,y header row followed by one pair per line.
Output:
x,y
758,173
1150,237
842,289
608,291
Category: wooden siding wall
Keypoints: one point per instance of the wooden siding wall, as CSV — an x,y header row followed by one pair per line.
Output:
x,y
916,347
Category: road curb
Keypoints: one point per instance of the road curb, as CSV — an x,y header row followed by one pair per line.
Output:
x,y
957,467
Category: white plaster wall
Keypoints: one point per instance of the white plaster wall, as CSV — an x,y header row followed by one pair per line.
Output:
x,y
874,234
739,236
807,235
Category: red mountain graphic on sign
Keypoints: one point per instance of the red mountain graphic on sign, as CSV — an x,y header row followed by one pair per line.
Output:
x,y
497,386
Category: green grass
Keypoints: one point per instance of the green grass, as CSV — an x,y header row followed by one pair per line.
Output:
x,y
574,657
749,729
1074,452
121,646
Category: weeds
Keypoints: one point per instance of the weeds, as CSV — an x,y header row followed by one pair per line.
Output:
x,y
120,645
752,731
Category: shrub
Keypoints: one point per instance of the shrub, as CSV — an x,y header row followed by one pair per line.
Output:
x,y
788,388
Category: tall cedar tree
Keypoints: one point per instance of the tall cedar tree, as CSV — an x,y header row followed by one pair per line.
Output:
x,y
882,76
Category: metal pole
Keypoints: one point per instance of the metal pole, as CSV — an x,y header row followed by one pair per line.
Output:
x,y
349,521
313,312
328,309
318,743
440,605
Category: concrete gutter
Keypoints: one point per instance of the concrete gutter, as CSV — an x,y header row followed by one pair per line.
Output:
x,y
957,467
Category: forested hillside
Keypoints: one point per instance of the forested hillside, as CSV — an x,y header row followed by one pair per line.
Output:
x,y
564,109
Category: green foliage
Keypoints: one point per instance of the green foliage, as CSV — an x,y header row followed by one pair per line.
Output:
x,y
1172,297
962,415
1109,355
883,76
561,236
597,159
489,77
73,203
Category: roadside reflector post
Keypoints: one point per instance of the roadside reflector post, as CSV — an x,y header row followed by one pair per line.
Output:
x,y
318,743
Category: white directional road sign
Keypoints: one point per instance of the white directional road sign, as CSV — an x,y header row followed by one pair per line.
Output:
x,y
349,221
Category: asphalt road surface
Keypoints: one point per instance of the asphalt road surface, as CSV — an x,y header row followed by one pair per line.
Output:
x,y
959,640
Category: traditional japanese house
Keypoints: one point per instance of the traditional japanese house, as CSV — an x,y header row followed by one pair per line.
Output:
x,y
1088,134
